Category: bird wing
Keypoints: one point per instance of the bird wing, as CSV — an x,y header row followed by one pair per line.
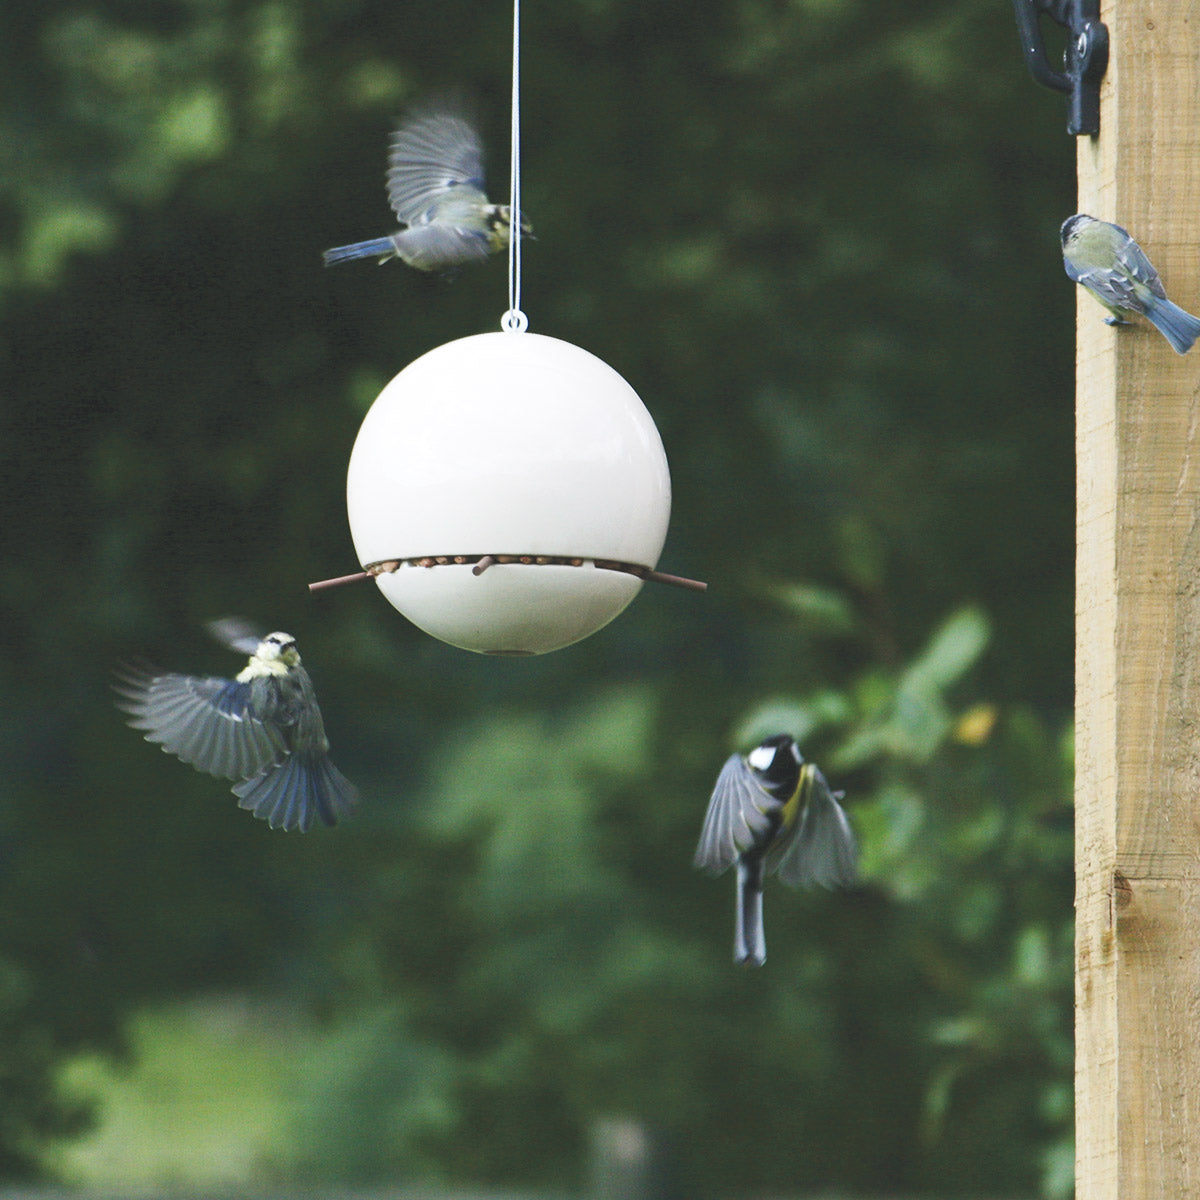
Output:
x,y
1114,281
821,847
1109,286
206,721
1132,261
439,246
736,814
1073,272
434,153
295,709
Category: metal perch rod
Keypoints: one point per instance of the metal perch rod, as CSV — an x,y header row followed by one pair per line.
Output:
x,y
322,584
483,561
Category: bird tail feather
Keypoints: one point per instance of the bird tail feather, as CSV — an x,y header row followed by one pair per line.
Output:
x,y
381,248
749,943
1180,328
290,795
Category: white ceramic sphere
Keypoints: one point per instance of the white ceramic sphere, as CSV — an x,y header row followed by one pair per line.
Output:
x,y
509,444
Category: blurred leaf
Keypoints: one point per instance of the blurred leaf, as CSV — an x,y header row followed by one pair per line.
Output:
x,y
917,719
975,726
1033,961
822,610
801,717
861,555
369,1103
1058,1175
951,652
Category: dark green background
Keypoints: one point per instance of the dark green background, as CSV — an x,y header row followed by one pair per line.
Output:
x,y
819,238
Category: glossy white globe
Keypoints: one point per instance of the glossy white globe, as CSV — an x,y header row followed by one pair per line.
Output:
x,y
510,444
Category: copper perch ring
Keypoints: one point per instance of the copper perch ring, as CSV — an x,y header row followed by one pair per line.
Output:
x,y
481,562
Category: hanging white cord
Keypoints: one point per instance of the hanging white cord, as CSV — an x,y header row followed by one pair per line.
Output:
x,y
515,321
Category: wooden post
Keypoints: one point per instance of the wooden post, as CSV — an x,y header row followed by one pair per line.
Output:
x,y
1138,638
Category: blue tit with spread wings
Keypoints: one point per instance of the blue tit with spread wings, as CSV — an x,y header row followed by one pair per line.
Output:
x,y
435,187
263,728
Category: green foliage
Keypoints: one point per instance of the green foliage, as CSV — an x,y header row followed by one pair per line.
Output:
x,y
197,1098
31,1048
369,1102
582,969
818,238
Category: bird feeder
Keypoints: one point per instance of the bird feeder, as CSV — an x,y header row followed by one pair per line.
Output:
x,y
509,493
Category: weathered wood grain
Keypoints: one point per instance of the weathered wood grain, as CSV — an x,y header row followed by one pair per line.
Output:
x,y
1138,638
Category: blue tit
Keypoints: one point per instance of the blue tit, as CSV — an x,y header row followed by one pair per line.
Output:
x,y
1104,259
435,187
262,728
773,812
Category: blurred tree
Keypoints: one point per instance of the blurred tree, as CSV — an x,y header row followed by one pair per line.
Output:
x,y
819,239
911,1034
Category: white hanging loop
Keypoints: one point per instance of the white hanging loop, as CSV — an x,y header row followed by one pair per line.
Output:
x,y
514,320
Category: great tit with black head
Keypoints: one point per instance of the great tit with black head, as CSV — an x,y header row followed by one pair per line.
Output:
x,y
435,188
262,728
1103,258
772,812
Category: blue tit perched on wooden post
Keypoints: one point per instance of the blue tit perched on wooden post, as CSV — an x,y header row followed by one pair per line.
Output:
x,y
435,187
1104,259
773,812
262,728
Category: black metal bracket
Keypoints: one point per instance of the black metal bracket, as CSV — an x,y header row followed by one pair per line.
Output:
x,y
1084,59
